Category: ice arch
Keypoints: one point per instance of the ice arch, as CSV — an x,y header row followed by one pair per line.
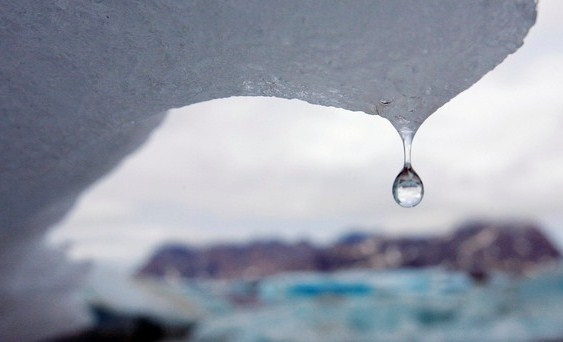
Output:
x,y
83,82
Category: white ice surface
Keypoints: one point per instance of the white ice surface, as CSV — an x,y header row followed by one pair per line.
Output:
x,y
83,84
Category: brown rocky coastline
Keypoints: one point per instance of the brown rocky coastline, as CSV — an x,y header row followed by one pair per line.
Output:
x,y
517,248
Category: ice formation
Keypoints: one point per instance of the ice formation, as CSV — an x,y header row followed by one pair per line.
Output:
x,y
83,84
401,305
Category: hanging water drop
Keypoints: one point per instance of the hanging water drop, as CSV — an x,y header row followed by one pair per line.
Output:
x,y
408,189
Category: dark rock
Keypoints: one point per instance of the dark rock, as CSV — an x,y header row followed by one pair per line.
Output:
x,y
253,260
475,247
112,325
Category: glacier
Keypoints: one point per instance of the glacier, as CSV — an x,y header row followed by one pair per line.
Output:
x,y
84,84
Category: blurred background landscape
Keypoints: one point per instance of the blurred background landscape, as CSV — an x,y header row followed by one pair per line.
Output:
x,y
263,219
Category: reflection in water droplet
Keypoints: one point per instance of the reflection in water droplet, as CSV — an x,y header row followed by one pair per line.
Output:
x,y
408,189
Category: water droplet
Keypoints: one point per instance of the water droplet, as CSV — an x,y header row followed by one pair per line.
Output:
x,y
408,189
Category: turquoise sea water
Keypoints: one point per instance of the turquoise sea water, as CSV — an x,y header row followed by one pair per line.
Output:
x,y
401,305
359,305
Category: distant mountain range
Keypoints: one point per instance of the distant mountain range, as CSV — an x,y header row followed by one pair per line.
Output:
x,y
475,247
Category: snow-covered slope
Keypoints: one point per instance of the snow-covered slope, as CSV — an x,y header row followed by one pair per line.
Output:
x,y
83,82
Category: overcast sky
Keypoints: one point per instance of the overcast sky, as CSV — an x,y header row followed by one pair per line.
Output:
x,y
246,168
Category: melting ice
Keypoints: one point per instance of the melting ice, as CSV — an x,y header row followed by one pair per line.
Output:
x,y
408,189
